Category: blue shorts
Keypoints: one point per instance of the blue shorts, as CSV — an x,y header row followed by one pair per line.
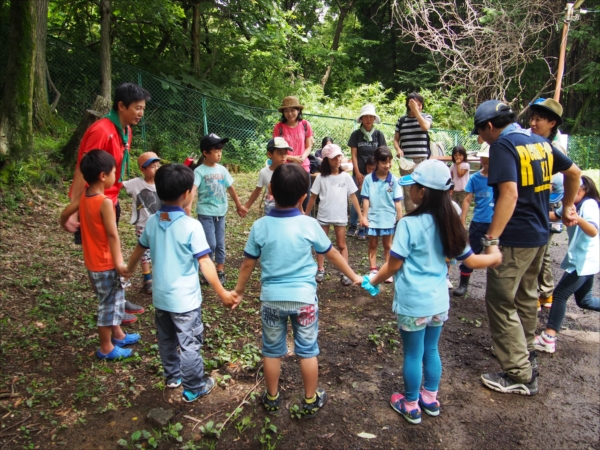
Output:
x,y
111,297
305,327
380,231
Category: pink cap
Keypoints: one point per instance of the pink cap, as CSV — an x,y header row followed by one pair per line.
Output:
x,y
331,151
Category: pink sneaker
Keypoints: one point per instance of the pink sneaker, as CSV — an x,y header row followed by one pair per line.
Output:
x,y
545,343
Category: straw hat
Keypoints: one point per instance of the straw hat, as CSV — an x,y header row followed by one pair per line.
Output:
x,y
368,110
290,102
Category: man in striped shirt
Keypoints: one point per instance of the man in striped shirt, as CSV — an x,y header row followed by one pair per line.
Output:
x,y
411,139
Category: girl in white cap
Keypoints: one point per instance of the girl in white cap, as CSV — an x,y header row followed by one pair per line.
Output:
x,y
333,186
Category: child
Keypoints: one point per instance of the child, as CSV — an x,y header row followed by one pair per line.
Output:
x,y
145,203
580,264
333,187
178,246
381,206
277,151
283,240
211,181
102,252
460,173
423,240
477,188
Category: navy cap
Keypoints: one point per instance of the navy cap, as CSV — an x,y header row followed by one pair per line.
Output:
x,y
211,140
488,110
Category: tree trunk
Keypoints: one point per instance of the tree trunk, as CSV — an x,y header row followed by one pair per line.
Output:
x,y
101,107
42,115
196,39
336,40
16,130
105,68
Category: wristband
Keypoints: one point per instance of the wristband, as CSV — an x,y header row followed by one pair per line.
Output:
x,y
488,241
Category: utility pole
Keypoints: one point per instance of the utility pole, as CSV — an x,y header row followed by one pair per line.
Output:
x,y
563,46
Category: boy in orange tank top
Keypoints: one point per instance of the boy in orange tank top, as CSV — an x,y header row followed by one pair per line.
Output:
x,y
102,252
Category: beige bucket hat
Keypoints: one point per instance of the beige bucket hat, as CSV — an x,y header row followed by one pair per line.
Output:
x,y
290,102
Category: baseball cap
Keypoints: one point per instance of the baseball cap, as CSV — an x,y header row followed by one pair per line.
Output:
x,y
278,142
331,151
548,104
211,140
145,159
558,189
488,110
431,173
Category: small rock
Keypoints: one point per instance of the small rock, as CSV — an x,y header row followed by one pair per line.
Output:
x,y
196,437
160,417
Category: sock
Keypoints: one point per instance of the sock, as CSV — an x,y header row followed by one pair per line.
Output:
x,y
272,397
429,396
411,406
147,276
547,337
310,400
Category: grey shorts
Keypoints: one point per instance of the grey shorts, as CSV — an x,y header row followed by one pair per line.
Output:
x,y
333,224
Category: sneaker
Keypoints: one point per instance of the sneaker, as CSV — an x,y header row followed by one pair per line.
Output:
x,y
320,276
173,383
132,308
346,281
222,277
272,406
373,271
361,235
309,410
545,302
192,396
351,230
501,382
398,402
128,319
545,343
148,287
432,409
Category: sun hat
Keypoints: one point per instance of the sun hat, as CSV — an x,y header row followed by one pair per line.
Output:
x,y
145,159
210,140
290,102
488,110
548,104
558,188
278,142
484,151
432,173
368,110
331,151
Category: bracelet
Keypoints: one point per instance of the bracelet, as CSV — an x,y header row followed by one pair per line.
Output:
x,y
488,241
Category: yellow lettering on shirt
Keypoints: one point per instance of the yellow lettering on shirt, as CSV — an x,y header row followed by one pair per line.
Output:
x,y
531,153
526,169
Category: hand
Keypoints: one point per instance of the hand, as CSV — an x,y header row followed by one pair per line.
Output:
x,y
357,280
359,178
569,216
242,211
494,250
413,106
123,271
364,222
237,299
400,153
72,223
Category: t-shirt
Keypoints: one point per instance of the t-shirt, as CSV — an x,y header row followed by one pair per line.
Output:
x,y
264,179
145,200
96,250
382,196
413,140
484,198
333,192
584,251
176,241
283,240
212,183
420,287
296,138
528,160
365,149
460,182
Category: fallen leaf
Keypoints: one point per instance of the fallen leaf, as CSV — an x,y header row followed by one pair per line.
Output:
x,y
366,435
327,436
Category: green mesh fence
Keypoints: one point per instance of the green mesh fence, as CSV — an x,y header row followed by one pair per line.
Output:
x,y
177,117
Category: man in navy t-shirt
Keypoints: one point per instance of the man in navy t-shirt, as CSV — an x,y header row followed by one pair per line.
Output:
x,y
521,168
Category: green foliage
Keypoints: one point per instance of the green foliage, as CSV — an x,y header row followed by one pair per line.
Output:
x,y
266,439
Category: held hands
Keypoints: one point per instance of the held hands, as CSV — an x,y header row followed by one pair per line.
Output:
x,y
359,178
231,299
569,216
364,222
494,251
71,224
242,210
124,271
357,280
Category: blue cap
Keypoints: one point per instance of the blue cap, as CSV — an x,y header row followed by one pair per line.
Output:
x,y
488,110
558,190
431,173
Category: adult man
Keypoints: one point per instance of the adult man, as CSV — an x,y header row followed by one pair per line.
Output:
x,y
521,168
411,139
113,135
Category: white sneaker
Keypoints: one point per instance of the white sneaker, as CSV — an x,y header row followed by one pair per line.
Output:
x,y
545,343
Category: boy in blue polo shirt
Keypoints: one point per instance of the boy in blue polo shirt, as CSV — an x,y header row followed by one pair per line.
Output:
x,y
283,240
178,246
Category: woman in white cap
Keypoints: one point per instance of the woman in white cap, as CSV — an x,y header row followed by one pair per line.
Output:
x,y
363,143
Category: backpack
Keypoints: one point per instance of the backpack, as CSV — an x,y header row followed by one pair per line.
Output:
x,y
402,120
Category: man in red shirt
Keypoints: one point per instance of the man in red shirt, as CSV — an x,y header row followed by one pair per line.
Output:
x,y
112,134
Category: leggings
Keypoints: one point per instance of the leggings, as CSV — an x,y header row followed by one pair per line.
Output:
x,y
569,284
421,357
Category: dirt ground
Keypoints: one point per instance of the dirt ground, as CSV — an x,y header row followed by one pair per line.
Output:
x,y
54,393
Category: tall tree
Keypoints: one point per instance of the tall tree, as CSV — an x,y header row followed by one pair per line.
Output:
x,y
344,10
16,111
105,66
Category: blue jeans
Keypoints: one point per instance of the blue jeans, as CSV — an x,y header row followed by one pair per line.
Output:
x,y
305,327
214,229
421,357
184,330
476,231
569,284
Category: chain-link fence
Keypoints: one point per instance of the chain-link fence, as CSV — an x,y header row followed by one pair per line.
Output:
x,y
177,117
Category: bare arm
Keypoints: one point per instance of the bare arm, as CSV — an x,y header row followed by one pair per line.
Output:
x,y
392,266
188,208
241,209
572,178
246,269
461,172
398,206
308,144
423,122
335,258
255,194
366,211
586,227
135,257
491,258
71,223
361,218
107,211
505,206
399,151
310,204
67,213
465,208
359,176
210,273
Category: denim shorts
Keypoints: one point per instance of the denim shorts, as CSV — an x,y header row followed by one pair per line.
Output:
x,y
111,297
380,231
410,323
305,327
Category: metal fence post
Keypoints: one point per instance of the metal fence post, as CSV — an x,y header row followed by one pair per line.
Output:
x,y
204,115
144,144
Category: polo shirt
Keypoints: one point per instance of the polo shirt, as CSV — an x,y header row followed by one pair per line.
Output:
x,y
283,240
382,196
483,196
420,286
583,253
212,183
176,241
528,160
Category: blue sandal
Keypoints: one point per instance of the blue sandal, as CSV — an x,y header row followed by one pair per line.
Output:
x,y
130,339
117,353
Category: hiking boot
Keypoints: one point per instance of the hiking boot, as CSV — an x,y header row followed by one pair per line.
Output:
x,y
128,319
545,302
398,402
132,308
222,277
320,276
309,410
351,230
545,343
432,409
463,286
272,406
501,382
191,396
